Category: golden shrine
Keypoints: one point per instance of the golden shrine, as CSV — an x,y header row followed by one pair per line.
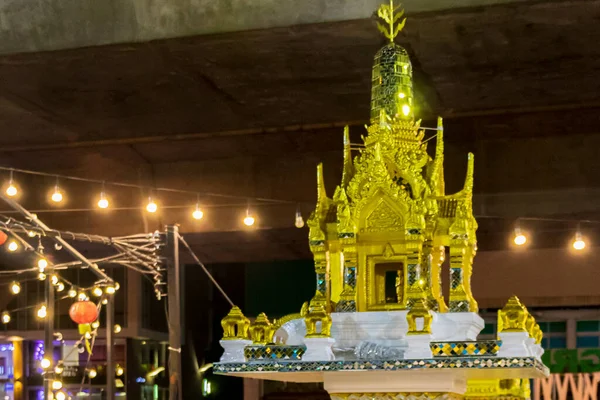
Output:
x,y
378,326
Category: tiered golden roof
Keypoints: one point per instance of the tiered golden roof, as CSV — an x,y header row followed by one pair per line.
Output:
x,y
390,221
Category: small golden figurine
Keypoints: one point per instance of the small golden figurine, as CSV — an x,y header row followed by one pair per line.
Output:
x,y
235,325
262,331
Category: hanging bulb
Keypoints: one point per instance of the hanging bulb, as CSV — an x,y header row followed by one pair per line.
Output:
x,y
5,317
57,385
54,280
45,363
97,291
60,396
119,370
117,286
117,328
13,246
92,373
59,368
103,201
578,242
87,335
95,324
42,276
72,293
520,238
105,301
60,287
151,207
82,296
57,246
15,288
299,220
110,289
198,213
42,264
11,190
31,233
249,220
42,312
57,195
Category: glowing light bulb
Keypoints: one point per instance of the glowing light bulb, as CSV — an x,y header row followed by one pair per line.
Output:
x,y
110,290
15,288
59,369
151,207
299,220
13,246
11,190
401,95
520,239
54,280
198,213
249,220
57,385
42,312
92,373
117,328
60,287
405,110
97,291
5,317
45,363
82,296
119,370
578,243
105,301
87,335
72,293
95,324
103,202
42,276
117,286
57,195
60,395
42,264
31,234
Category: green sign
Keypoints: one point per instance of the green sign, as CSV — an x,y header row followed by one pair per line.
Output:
x,y
572,360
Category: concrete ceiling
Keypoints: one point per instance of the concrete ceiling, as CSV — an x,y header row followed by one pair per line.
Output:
x,y
251,113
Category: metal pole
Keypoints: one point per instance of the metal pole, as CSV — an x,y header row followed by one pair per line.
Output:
x,y
49,334
174,299
110,355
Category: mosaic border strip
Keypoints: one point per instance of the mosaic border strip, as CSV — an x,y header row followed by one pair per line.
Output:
x,y
391,365
466,348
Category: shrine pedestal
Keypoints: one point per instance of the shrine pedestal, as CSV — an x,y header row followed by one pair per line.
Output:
x,y
234,350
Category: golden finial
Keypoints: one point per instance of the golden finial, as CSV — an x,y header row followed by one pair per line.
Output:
x,y
470,174
261,331
513,316
321,192
348,169
437,174
390,14
235,325
419,310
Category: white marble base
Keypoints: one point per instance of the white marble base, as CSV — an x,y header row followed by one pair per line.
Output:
x,y
318,349
418,347
514,344
234,350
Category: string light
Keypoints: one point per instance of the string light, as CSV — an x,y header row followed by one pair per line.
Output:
x,y
82,296
57,195
45,363
42,276
105,301
60,287
97,291
11,190
42,312
5,317
54,280
59,368
60,395
117,328
87,335
42,264
520,239
249,220
92,373
15,288
117,286
110,289
72,293
119,370
198,213
13,246
299,222
57,385
103,201
95,325
578,242
151,207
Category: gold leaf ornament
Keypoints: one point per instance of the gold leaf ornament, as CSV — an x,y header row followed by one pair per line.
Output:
x,y
391,15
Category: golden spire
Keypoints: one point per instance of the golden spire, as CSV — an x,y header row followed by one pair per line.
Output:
x,y
468,189
390,14
348,169
437,174
321,192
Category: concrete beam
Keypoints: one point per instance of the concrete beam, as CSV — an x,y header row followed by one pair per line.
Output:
x,y
45,25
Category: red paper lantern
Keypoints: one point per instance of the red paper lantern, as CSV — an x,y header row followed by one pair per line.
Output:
x,y
83,312
3,237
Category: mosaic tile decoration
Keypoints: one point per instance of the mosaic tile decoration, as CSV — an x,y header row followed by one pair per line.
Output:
x,y
377,365
274,352
466,349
